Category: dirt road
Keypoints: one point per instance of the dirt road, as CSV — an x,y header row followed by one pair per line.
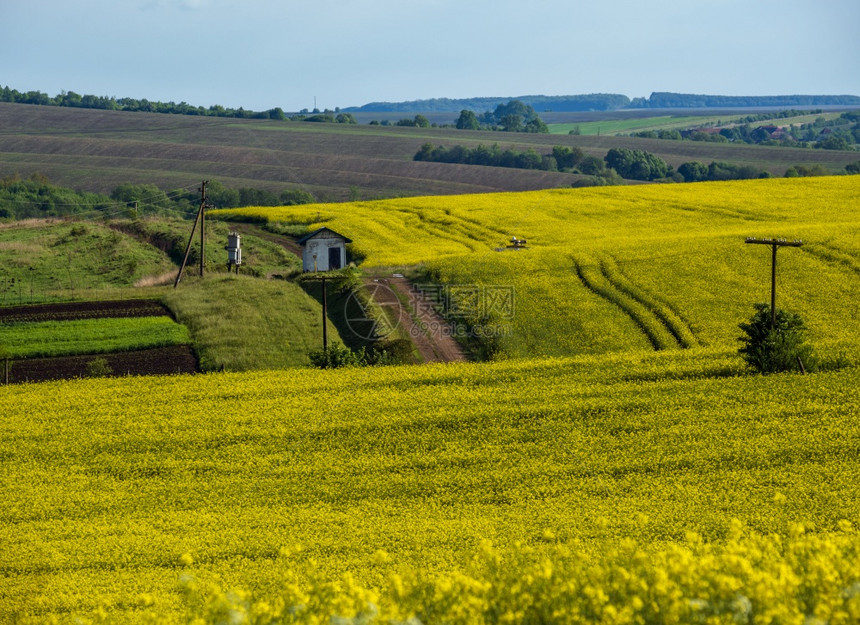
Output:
x,y
429,331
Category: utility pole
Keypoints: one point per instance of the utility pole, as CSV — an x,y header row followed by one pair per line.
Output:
x,y
322,279
325,316
775,244
200,218
202,224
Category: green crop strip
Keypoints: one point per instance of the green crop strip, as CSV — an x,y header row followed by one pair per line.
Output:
x,y
90,336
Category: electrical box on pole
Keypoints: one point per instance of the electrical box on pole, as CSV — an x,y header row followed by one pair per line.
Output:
x,y
234,251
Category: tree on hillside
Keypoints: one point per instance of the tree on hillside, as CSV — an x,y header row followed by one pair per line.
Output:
x,y
467,120
591,165
514,107
694,171
147,197
512,123
536,125
566,157
637,164
771,347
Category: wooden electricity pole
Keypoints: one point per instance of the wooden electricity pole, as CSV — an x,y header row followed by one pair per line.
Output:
x,y
322,279
199,218
202,224
775,244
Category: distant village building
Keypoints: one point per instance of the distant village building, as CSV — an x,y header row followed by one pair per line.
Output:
x,y
323,250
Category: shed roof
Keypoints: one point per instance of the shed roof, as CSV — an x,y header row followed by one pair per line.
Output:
x,y
319,231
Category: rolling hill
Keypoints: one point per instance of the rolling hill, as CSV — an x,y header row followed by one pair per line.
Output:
x,y
96,150
615,462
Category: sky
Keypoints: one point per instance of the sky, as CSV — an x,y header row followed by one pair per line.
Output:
x,y
261,54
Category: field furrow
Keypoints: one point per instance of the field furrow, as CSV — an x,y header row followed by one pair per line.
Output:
x,y
676,326
595,278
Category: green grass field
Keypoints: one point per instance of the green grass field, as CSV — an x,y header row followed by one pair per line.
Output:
x,y
240,323
672,122
89,336
627,126
44,261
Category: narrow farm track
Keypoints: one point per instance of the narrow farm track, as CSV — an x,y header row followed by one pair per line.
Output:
x,y
431,334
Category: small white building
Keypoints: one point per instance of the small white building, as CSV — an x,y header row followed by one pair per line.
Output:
x,y
323,250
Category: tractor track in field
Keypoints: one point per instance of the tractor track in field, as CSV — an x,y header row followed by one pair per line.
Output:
x,y
664,329
833,255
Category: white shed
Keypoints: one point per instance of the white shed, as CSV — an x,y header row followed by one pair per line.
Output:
x,y
323,250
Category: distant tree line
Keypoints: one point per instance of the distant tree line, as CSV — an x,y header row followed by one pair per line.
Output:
x,y
618,164
668,100
607,102
35,196
564,103
568,103
419,121
75,100
841,133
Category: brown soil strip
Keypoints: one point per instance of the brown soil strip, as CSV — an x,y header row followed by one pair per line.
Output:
x,y
67,311
160,361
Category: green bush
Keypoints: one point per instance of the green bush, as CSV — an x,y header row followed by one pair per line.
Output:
x,y
98,368
337,356
772,347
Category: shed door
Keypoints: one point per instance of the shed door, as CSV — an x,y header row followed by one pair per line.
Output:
x,y
334,258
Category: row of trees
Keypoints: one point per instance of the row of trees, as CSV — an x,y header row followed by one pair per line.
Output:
x,y
618,164
492,156
35,196
76,100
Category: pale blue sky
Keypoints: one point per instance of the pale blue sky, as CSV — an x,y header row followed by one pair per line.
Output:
x,y
259,54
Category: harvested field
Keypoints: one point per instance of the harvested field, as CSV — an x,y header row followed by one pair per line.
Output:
x,y
99,150
160,361
83,310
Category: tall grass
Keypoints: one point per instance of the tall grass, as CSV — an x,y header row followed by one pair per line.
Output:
x,y
241,323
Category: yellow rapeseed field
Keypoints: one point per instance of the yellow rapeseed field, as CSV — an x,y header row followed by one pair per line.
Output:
x,y
621,466
136,496
626,268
